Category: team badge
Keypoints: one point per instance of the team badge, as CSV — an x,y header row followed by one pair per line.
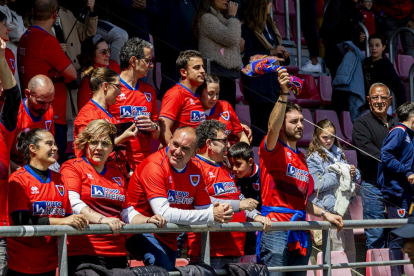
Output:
x,y
118,180
61,189
148,96
194,179
401,213
225,115
48,124
256,186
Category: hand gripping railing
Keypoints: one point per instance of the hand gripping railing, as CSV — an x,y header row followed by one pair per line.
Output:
x,y
391,46
63,231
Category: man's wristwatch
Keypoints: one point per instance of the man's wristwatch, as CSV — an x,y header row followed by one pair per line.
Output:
x,y
323,213
155,126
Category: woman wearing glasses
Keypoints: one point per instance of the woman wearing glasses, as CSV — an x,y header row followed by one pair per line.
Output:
x,y
95,53
105,87
38,196
97,190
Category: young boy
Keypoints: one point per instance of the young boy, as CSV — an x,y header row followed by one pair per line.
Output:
x,y
367,15
248,181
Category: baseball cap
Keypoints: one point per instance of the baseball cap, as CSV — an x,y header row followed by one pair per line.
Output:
x,y
406,231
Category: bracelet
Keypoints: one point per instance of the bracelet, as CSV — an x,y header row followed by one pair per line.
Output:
x,y
283,93
323,213
283,102
147,220
100,219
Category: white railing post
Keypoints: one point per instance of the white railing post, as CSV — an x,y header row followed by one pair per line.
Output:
x,y
205,247
326,250
63,255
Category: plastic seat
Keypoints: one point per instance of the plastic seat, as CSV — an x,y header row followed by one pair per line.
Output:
x,y
403,64
256,154
310,272
281,25
294,28
337,257
292,70
352,157
243,113
408,269
330,115
355,210
309,96
249,259
378,255
307,129
279,7
325,90
347,126
303,150
239,93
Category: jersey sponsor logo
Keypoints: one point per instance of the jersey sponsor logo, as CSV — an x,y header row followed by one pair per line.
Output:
x,y
256,186
89,175
225,115
118,180
197,116
102,192
130,111
407,139
125,111
298,174
401,213
122,96
48,124
34,190
61,189
46,208
224,188
194,179
12,63
179,197
148,96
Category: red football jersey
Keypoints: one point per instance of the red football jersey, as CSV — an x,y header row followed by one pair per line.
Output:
x,y
155,177
224,113
25,122
104,193
131,102
285,179
6,141
183,107
84,91
28,192
40,53
221,185
11,61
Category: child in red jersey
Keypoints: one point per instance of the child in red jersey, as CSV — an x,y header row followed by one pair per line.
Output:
x,y
38,196
367,15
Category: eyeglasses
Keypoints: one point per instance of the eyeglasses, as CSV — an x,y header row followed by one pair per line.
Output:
x,y
118,86
104,143
376,98
223,141
105,52
148,61
57,10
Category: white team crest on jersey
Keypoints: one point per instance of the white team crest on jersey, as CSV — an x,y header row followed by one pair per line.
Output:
x,y
170,179
192,101
194,179
289,155
89,175
225,115
118,180
211,174
48,124
148,96
35,190
61,189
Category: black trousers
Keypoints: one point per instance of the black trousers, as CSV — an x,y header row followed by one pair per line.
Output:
x,y
108,262
228,90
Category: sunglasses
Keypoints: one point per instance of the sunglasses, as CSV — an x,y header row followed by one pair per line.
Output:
x,y
118,86
105,52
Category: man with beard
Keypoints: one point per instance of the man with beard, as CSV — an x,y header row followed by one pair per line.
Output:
x,y
35,111
368,133
286,186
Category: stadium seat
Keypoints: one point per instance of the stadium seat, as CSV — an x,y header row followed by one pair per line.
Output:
x,y
403,64
346,126
309,96
408,269
281,25
307,130
256,155
243,113
325,89
294,28
69,147
248,259
310,272
378,255
355,209
352,157
337,257
292,70
239,93
303,150
330,115
279,8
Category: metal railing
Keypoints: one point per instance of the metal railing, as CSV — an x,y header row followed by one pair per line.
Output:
x,y
411,82
393,36
63,231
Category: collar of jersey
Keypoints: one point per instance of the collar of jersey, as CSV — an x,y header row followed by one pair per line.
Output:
x,y
211,162
174,169
97,105
35,175
40,28
185,87
213,109
295,151
255,169
127,85
101,173
35,119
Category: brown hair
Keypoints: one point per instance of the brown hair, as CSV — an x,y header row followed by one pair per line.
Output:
x,y
43,9
100,75
209,78
184,58
85,58
315,144
95,128
255,16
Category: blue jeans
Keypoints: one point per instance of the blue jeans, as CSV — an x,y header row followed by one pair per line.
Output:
x,y
373,208
274,252
153,252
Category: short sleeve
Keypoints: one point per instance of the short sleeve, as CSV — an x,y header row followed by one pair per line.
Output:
x,y
153,179
172,104
18,200
54,55
72,176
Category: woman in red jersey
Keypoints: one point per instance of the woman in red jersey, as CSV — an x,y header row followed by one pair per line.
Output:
x,y
221,111
97,189
38,196
95,53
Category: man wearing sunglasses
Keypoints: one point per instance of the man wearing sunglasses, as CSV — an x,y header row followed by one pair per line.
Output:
x,y
39,52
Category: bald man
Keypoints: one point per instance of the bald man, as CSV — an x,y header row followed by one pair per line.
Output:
x,y
35,112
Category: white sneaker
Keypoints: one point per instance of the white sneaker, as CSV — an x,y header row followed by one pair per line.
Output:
x,y
309,67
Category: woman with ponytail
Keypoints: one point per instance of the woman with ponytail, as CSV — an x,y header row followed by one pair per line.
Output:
x,y
38,196
95,53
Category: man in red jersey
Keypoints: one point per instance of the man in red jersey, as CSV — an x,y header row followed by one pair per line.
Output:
x,y
286,185
8,121
180,105
39,52
168,183
225,247
137,101
34,112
